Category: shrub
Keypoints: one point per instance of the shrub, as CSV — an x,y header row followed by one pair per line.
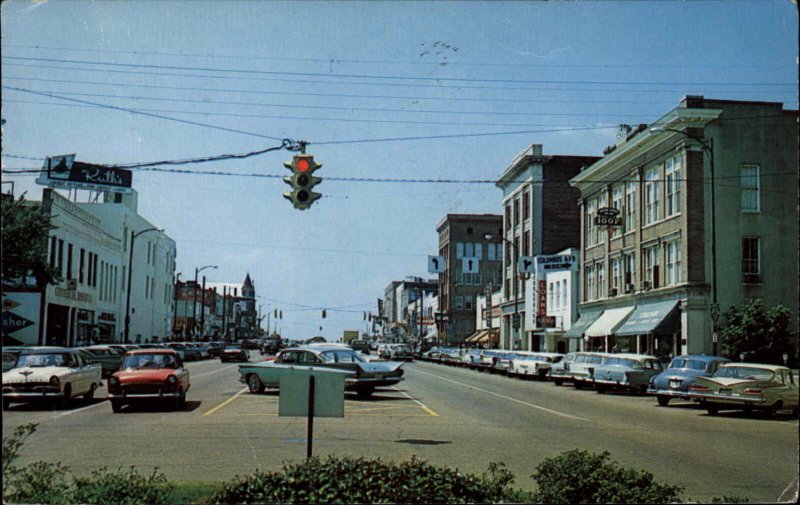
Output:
x,y
121,487
582,477
358,480
40,482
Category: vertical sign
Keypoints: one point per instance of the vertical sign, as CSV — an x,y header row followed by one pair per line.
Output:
x,y
541,299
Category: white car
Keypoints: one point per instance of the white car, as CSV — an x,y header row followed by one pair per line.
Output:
x,y
533,364
51,374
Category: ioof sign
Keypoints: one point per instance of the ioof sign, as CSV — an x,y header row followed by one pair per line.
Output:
x,y
608,216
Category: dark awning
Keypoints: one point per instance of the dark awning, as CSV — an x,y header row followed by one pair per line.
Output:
x,y
659,318
583,322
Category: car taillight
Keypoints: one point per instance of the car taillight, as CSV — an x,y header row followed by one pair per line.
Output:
x,y
54,381
699,387
752,391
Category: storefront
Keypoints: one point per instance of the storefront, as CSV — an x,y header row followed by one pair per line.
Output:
x,y
601,333
577,331
652,328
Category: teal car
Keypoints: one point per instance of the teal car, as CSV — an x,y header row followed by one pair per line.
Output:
x,y
364,378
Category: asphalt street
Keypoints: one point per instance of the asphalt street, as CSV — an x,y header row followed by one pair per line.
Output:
x,y
445,415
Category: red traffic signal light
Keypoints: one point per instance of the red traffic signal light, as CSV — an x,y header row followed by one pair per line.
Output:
x,y
302,181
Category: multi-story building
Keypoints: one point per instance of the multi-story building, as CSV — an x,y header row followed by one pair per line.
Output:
x,y
402,303
539,217
487,318
466,238
112,262
553,308
236,316
707,197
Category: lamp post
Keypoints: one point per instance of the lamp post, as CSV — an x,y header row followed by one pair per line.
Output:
x,y
708,146
194,298
516,323
130,276
175,289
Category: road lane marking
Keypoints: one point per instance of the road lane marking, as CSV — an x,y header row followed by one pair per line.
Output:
x,y
78,410
527,404
213,371
788,488
225,402
422,405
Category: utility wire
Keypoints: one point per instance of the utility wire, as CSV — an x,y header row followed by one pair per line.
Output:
x,y
404,85
390,77
397,62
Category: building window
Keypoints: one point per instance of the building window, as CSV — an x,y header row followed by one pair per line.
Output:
x,y
673,263
591,208
630,206
508,216
651,196
616,275
564,293
589,295
94,271
526,243
526,205
60,257
459,302
629,271
672,176
493,252
468,302
69,261
459,250
82,260
651,267
601,280
469,230
751,260
550,302
749,176
617,197
516,211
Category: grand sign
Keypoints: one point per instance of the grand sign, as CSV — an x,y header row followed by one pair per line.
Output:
x,y
65,173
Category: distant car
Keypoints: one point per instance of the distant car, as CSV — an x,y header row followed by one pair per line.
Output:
x,y
398,352
682,372
360,345
234,352
368,374
50,374
747,386
186,352
148,375
215,349
577,370
630,372
109,358
502,361
471,358
488,358
533,364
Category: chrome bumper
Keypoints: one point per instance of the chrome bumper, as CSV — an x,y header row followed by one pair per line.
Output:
x,y
741,400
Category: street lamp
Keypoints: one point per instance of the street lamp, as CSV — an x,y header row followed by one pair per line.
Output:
x,y
130,276
516,323
708,146
194,299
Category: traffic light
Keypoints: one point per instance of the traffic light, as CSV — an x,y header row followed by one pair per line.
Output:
x,y
302,181
324,313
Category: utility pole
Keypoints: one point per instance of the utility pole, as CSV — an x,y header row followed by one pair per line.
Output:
x,y
203,309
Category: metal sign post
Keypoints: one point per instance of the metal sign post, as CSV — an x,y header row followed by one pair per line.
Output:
x,y
310,431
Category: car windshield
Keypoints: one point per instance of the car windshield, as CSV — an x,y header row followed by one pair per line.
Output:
x,y
150,361
233,348
39,360
743,372
343,356
692,364
626,362
532,358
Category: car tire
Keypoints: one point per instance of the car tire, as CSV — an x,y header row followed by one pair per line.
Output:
x,y
662,400
6,403
557,382
180,402
365,393
600,389
578,384
64,401
254,384
116,406
712,410
771,410
90,394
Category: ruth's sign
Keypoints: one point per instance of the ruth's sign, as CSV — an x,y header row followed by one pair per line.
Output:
x,y
65,173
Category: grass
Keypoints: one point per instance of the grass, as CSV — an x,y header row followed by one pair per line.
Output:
x,y
188,491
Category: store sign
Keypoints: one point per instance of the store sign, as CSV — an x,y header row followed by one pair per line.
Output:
x,y
608,216
541,299
64,172
73,295
21,311
545,321
555,263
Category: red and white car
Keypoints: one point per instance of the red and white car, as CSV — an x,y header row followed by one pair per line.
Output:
x,y
149,375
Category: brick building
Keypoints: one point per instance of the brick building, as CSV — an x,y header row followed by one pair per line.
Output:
x,y
464,236
540,217
650,284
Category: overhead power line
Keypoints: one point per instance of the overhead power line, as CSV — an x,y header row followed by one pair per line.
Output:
x,y
331,61
404,85
392,77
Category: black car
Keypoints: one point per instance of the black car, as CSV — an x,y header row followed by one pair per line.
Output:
x,y
234,352
215,349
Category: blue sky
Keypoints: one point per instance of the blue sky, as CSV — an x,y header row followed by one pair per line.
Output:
x,y
340,73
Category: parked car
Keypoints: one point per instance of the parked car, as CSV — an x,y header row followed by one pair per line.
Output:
x,y
368,374
450,355
682,372
503,361
50,374
533,364
109,358
630,372
488,358
202,350
215,349
234,352
360,345
578,369
149,375
747,386
471,358
399,352
430,355
186,352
